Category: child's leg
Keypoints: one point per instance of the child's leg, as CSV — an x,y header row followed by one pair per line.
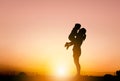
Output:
x,y
68,44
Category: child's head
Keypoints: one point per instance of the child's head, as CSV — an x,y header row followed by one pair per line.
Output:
x,y
77,26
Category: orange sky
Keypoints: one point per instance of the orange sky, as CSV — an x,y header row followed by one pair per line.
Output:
x,y
33,34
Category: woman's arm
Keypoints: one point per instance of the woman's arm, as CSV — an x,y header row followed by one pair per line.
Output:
x,y
84,36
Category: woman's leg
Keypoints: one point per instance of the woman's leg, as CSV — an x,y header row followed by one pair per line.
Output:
x,y
76,55
77,64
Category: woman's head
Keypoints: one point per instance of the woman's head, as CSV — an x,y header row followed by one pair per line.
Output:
x,y
83,30
82,34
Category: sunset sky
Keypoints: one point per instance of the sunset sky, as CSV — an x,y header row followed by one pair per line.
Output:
x,y
33,34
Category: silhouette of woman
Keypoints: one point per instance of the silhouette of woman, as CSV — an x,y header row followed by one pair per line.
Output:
x,y
77,41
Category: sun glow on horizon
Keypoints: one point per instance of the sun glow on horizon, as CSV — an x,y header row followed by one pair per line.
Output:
x,y
61,71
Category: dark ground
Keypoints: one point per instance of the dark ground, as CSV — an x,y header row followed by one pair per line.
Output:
x,y
24,77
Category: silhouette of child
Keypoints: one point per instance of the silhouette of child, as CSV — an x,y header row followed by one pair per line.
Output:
x,y
73,35
74,32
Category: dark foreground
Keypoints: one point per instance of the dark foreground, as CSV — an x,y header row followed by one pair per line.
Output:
x,y
24,77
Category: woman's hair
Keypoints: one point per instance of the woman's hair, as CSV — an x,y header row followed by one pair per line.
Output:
x,y
82,31
81,34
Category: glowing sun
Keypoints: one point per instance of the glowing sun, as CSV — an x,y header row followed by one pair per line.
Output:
x,y
61,71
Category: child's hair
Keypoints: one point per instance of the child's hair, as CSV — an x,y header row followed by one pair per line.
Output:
x,y
77,26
